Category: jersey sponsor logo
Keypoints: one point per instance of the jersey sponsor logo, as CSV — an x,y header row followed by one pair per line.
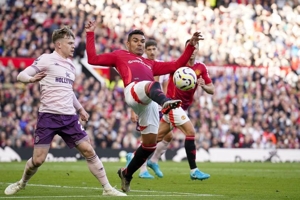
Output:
x,y
63,80
139,61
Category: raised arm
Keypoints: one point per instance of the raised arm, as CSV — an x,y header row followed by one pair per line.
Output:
x,y
106,59
160,68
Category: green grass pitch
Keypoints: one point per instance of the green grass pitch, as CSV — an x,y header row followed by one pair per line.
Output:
x,y
228,181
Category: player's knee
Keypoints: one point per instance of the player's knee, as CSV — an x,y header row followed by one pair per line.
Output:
x,y
168,137
88,152
147,86
37,162
159,138
151,86
190,133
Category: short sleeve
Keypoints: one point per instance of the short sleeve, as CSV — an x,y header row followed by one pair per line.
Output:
x,y
40,64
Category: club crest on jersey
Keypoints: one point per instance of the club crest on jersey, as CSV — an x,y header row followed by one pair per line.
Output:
x,y
37,139
183,117
198,72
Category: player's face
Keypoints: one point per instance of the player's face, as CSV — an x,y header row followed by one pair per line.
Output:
x,y
136,44
67,46
193,56
151,52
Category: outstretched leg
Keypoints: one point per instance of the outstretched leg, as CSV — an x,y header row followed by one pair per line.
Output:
x,y
97,169
154,92
31,167
141,155
144,173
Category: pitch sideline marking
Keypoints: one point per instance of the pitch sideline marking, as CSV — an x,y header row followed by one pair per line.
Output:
x,y
94,196
96,188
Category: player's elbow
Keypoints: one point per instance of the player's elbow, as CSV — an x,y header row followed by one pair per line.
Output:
x,y
93,62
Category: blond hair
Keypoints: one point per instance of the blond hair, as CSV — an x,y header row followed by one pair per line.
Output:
x,y
62,33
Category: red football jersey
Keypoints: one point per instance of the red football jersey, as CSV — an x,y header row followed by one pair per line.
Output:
x,y
187,96
132,67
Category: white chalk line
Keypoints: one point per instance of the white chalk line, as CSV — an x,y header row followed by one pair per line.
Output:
x,y
164,193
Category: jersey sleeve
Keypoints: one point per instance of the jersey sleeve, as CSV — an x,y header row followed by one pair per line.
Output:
x,y
161,68
105,59
205,75
41,63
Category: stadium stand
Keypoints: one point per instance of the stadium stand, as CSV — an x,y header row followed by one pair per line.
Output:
x,y
256,105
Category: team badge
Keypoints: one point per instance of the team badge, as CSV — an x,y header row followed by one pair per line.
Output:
x,y
183,117
198,72
37,139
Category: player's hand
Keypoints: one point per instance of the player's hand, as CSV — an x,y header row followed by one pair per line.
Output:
x,y
196,38
200,82
39,76
90,26
134,117
84,116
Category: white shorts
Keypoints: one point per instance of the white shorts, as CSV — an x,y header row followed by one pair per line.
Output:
x,y
176,117
143,106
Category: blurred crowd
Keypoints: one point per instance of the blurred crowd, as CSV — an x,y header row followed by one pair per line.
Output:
x,y
245,32
248,110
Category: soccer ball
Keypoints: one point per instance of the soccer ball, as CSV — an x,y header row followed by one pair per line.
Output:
x,y
185,78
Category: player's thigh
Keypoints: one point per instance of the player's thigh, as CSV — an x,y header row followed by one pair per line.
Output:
x,y
187,128
168,137
135,94
163,130
149,139
47,125
72,133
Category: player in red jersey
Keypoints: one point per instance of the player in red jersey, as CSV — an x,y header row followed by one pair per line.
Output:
x,y
178,118
151,51
142,93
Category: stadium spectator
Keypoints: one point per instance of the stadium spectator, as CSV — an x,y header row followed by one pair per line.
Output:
x,y
248,36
